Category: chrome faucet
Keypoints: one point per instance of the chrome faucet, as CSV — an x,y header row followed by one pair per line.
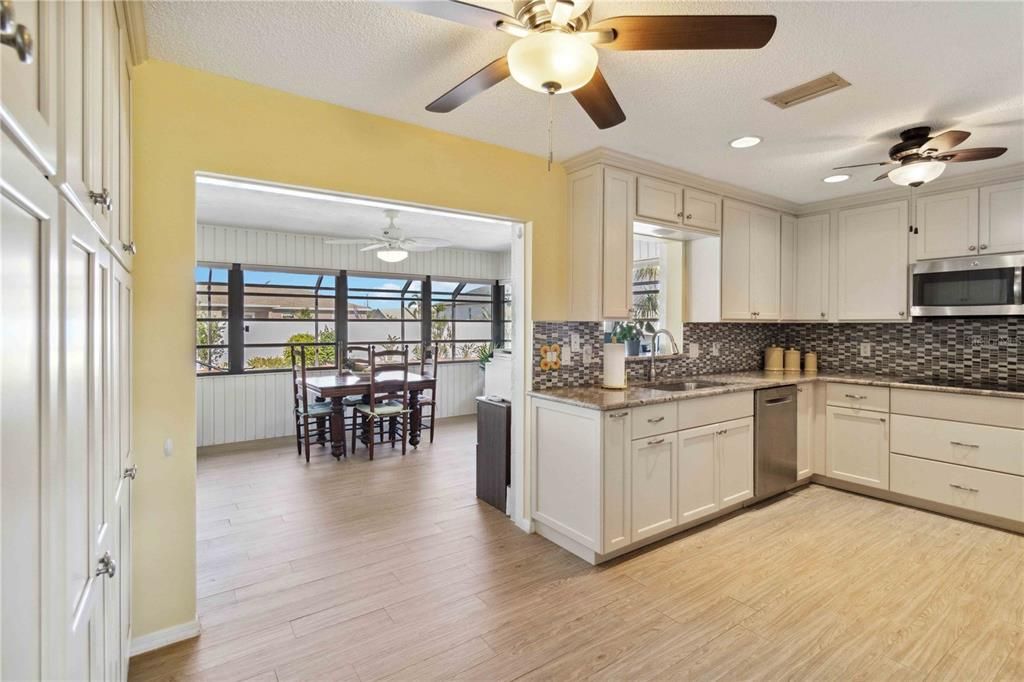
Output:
x,y
654,349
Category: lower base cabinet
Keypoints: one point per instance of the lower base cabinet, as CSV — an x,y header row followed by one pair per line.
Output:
x,y
805,427
652,468
735,461
716,468
858,446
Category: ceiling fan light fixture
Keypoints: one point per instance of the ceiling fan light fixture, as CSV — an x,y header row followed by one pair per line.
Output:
x,y
552,61
916,173
392,255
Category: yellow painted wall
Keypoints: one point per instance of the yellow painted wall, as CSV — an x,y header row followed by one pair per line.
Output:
x,y
187,121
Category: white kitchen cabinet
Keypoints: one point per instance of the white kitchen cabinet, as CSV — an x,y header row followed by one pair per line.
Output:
x,y
1001,223
31,99
947,225
698,473
872,264
805,256
617,244
652,467
858,446
617,447
702,210
659,200
123,247
805,429
968,488
750,262
736,461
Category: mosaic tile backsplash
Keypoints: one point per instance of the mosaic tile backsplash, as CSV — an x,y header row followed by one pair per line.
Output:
x,y
964,349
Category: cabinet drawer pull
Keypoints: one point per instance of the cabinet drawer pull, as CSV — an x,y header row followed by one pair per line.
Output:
x,y
853,396
129,248
722,432
964,488
619,415
102,199
655,420
657,441
964,445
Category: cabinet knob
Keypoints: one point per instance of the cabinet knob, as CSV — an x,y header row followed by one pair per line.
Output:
x,y
7,25
972,247
903,313
689,216
106,566
679,215
129,247
823,315
21,40
102,199
130,472
983,247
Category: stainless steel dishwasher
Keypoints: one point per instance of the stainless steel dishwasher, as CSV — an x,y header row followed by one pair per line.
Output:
x,y
774,440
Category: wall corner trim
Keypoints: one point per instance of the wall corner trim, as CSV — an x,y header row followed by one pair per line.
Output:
x,y
165,637
134,21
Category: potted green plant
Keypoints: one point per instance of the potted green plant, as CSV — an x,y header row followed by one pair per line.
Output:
x,y
631,333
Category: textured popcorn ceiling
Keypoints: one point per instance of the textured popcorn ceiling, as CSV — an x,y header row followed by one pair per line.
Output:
x,y
944,64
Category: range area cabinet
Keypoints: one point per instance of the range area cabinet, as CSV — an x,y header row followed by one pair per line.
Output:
x,y
970,222
873,276
608,481
1001,223
751,274
673,204
805,268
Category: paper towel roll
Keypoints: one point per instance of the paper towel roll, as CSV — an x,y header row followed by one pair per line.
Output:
x,y
615,365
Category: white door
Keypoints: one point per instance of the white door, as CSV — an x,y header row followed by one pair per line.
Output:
x,y
811,262
764,264
617,249
653,491
29,93
736,239
29,452
1001,228
947,225
804,429
697,479
702,210
659,200
87,489
858,446
873,272
735,461
617,455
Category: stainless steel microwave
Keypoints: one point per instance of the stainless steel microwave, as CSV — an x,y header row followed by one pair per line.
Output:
x,y
975,285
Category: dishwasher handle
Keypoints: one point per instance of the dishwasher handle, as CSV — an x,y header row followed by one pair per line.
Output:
x,y
778,401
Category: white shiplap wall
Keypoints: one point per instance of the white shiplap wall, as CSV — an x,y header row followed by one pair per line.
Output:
x,y
232,409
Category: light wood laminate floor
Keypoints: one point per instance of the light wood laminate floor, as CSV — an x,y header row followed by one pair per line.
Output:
x,y
359,570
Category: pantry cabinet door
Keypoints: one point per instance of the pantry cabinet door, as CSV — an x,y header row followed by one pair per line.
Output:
x,y
652,467
659,200
765,264
811,261
858,446
124,246
106,163
873,272
735,461
697,479
1002,218
947,225
736,239
29,99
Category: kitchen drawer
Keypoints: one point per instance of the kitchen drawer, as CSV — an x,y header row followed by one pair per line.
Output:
x,y
717,408
651,420
858,397
961,407
982,491
974,445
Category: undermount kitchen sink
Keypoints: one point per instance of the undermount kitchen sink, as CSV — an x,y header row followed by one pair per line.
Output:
x,y
683,385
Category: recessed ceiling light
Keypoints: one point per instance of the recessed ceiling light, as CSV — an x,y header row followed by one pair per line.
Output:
x,y
843,177
745,141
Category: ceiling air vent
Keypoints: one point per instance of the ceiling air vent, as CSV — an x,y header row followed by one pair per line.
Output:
x,y
808,91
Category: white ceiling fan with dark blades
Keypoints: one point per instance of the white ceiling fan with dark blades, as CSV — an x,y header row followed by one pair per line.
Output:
x,y
392,246
920,158
555,47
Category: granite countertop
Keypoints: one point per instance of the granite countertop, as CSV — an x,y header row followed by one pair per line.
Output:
x,y
637,394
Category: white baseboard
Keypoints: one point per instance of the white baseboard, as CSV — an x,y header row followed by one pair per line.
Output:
x,y
165,637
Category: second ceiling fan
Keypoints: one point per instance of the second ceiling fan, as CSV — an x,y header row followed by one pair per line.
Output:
x,y
555,51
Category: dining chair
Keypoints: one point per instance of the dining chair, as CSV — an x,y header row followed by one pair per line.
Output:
x,y
308,416
428,397
356,359
388,397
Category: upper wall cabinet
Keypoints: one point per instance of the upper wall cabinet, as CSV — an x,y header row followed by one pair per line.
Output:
x,y
601,213
750,262
872,272
805,255
30,113
667,202
1001,225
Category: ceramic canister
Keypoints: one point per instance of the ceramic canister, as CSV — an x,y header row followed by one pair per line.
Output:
x,y
811,362
773,359
792,360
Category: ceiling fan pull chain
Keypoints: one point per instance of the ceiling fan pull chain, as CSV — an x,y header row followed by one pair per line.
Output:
x,y
551,126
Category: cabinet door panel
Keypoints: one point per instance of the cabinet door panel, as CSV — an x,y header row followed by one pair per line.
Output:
x,y
617,244
858,446
1002,218
702,210
616,499
947,225
653,491
659,200
585,254
873,275
805,424
697,473
736,241
124,245
764,264
811,263
735,461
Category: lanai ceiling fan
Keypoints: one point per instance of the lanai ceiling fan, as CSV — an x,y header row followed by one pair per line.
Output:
x,y
555,51
391,246
922,158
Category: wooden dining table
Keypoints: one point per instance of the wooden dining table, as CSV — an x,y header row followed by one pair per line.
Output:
x,y
336,387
